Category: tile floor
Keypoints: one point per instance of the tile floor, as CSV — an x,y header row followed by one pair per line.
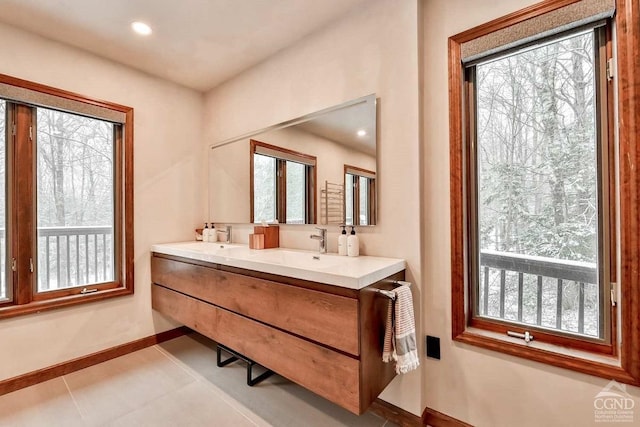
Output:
x,y
176,383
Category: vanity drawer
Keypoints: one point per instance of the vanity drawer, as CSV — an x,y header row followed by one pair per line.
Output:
x,y
328,373
319,316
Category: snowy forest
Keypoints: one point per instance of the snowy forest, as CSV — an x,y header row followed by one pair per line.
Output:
x,y
75,198
537,179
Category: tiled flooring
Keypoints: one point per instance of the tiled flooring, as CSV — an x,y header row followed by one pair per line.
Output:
x,y
175,383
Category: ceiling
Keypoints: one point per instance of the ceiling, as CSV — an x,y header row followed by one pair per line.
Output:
x,y
196,43
342,125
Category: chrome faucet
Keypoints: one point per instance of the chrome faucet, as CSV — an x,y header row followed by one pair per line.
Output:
x,y
322,239
227,233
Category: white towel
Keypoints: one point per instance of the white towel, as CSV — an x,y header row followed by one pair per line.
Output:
x,y
400,332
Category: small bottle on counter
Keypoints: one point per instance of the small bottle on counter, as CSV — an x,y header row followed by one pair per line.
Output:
x,y
205,232
213,234
342,242
353,243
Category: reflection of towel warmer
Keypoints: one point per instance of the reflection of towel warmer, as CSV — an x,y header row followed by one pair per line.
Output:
x,y
332,203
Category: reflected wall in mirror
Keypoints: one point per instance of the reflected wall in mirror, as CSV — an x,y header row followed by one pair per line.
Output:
x,y
304,171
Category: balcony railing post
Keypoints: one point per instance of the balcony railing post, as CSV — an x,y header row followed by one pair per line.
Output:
x,y
486,291
581,308
520,295
539,301
77,260
559,305
48,262
503,281
68,264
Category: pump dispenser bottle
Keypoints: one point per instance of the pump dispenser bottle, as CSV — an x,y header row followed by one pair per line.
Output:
x,y
213,234
353,243
342,242
205,232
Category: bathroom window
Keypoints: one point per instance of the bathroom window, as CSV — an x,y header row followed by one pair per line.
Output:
x,y
537,190
360,191
65,235
539,174
282,185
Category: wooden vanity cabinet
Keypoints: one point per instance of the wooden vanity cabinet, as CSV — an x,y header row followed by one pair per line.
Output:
x,y
326,338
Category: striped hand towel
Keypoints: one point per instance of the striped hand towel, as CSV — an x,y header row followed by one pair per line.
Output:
x,y
400,332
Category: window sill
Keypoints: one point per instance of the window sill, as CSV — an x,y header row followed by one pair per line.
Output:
x,y
554,355
67,301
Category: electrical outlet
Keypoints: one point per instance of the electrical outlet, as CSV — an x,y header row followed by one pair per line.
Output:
x,y
433,347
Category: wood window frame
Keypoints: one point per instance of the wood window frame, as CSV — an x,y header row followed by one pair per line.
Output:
x,y
22,239
624,363
310,210
353,170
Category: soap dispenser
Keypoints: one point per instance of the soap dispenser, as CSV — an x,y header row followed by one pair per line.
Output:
x,y
205,232
342,242
213,234
353,243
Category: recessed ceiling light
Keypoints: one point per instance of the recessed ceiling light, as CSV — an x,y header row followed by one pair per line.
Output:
x,y
362,132
141,28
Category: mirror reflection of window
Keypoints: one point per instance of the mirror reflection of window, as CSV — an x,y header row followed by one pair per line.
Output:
x,y
296,193
283,185
348,196
359,196
364,213
264,188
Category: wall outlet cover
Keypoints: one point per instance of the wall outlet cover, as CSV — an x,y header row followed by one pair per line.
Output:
x,y
433,347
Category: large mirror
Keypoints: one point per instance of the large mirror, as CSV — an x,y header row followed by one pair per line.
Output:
x,y
316,169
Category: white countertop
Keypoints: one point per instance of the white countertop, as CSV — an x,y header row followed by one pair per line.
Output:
x,y
332,269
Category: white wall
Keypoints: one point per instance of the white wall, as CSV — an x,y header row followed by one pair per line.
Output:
x,y
479,386
372,50
168,166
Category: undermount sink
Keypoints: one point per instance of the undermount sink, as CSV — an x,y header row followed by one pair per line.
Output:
x,y
206,247
331,269
297,259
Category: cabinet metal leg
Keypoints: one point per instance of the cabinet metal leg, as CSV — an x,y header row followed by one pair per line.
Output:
x,y
237,356
219,362
253,381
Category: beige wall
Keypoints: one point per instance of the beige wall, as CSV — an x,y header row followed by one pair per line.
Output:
x,y
482,387
373,50
168,166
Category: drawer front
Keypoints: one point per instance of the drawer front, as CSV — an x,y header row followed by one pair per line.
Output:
x,y
330,374
319,316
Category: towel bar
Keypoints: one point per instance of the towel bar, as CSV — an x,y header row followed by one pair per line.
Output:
x,y
390,294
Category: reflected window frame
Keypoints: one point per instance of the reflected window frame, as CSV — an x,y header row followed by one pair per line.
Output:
x,y
284,156
362,215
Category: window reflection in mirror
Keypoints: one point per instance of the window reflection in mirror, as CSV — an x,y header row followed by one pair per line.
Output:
x,y
264,188
282,184
360,194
